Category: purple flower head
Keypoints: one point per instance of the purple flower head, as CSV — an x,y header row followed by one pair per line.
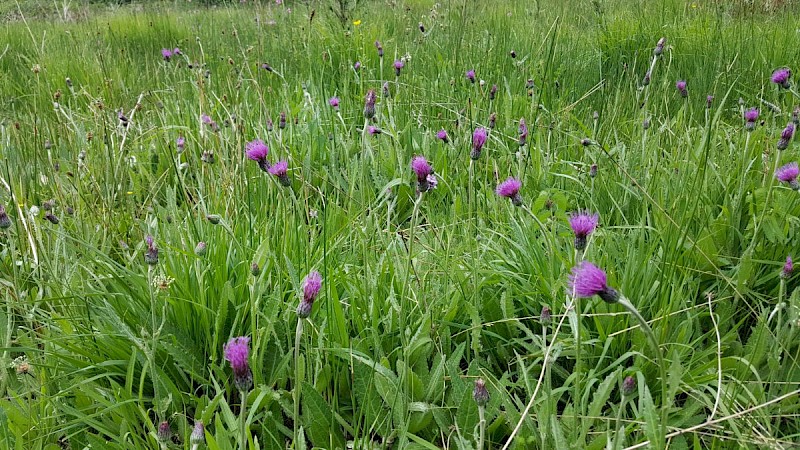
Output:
x,y
593,170
709,100
583,224
788,174
587,280
523,132
166,54
478,140
357,66
176,51
397,66
786,136
198,433
421,168
628,386
788,268
369,104
479,393
373,130
442,135
5,221
151,253
266,67
493,92
164,433
334,102
380,48
386,92
659,47
781,77
750,117
311,287
471,75
180,143
681,86
510,189
236,351
280,170
282,120
257,151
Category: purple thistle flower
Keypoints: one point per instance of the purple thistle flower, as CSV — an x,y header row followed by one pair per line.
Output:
x,y
492,120
709,100
237,351
180,143
493,92
587,280
424,173
373,130
357,66
177,51
788,268
206,119
471,75
334,102
164,433
583,224
523,132
478,140
369,104
781,77
151,254
659,47
646,80
786,136
628,386
257,151
380,48
166,54
593,170
266,67
311,287
397,66
198,433
479,393
510,189
5,221
750,117
681,86
282,120
788,174
280,170
442,136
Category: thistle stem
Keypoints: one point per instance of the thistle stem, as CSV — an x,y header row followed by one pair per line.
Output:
x,y
243,423
645,327
297,382
481,426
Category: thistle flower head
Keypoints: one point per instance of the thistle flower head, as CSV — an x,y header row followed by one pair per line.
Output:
x,y
164,433
151,253
583,224
442,135
5,221
681,86
546,316
788,268
166,54
781,77
510,189
237,352
280,170
471,75
788,132
357,66
257,150
480,394
523,132
180,143
709,101
373,130
421,168
587,280
398,64
478,140
311,287
493,92
369,104
380,48
334,102
628,386
751,115
788,174
659,47
198,433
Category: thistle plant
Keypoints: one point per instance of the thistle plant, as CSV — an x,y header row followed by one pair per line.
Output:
x,y
237,353
311,287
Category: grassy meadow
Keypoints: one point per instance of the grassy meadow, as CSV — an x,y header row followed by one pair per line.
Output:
x,y
145,228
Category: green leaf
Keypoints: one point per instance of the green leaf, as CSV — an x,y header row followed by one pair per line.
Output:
x,y
318,420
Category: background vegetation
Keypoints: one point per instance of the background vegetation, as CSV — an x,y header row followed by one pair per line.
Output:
x,y
98,348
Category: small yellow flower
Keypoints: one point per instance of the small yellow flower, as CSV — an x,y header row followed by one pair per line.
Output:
x,y
130,192
357,22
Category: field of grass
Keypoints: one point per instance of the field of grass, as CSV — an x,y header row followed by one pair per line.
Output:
x,y
142,232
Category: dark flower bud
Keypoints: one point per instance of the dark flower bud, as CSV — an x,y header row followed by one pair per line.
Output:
x,y
480,394
593,171
5,221
255,270
200,249
151,253
513,54
282,120
51,218
164,432
214,218
198,433
493,92
546,317
659,47
628,386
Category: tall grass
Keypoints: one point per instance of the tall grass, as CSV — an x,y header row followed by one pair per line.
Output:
x,y
423,293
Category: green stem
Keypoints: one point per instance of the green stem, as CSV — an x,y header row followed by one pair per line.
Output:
x,y
481,426
243,419
619,435
297,382
645,327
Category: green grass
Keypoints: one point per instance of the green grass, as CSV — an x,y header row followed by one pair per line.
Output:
x,y
422,295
